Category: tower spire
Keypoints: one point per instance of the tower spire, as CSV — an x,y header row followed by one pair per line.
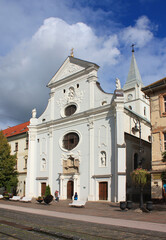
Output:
x,y
134,76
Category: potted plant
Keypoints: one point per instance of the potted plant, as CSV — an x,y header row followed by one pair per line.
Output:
x,y
6,196
122,205
39,199
140,178
48,197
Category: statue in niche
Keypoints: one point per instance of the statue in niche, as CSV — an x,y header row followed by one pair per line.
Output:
x,y
43,163
34,113
118,85
103,158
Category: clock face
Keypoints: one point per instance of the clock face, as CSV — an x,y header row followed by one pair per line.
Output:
x,y
130,97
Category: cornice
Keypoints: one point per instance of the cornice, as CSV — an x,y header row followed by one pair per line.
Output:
x,y
83,116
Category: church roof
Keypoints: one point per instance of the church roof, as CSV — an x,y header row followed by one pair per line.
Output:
x,y
134,76
18,129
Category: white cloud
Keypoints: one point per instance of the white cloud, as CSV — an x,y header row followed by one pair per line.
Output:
x,y
28,68
25,72
140,34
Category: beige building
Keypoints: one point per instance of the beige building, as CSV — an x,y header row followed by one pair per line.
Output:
x,y
17,137
157,94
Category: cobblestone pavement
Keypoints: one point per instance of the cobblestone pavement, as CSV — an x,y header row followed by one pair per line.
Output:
x,y
100,209
55,228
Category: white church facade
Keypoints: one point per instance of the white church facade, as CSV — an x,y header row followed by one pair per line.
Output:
x,y
85,141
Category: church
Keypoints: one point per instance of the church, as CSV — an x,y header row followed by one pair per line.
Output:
x,y
88,141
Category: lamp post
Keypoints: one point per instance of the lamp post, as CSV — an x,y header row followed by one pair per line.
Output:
x,y
137,128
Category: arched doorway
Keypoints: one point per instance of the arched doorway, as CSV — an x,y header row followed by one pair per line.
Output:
x,y
70,188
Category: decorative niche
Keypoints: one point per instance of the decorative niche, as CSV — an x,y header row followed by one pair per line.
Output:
x,y
102,159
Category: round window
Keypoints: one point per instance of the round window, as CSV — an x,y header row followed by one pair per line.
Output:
x,y
70,140
70,110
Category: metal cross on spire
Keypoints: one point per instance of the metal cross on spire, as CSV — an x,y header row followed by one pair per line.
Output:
x,y
132,46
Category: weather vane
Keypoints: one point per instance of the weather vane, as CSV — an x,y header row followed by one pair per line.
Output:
x,y
132,46
72,52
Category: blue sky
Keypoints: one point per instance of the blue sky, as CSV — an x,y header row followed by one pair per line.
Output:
x,y
37,35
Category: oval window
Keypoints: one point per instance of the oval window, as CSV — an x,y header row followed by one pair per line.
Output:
x,y
70,140
70,110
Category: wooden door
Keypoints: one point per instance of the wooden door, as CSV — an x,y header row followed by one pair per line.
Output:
x,y
43,189
70,188
103,191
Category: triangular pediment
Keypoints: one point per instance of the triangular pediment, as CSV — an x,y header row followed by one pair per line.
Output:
x,y
70,66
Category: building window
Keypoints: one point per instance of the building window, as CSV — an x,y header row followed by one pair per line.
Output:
x,y
70,140
70,110
164,141
16,146
144,111
162,99
25,163
164,103
26,144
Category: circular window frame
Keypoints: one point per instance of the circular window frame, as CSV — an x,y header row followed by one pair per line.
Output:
x,y
61,140
62,112
70,105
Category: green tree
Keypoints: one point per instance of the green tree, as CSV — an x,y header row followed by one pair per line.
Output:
x,y
8,173
140,178
48,191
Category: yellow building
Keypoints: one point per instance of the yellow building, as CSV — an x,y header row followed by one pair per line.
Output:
x,y
157,94
17,137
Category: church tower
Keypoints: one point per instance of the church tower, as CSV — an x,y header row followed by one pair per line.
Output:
x,y
134,98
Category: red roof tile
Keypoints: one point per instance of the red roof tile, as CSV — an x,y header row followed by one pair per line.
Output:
x,y
18,129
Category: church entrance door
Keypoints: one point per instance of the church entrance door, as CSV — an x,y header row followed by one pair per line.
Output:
x,y
70,188
103,191
43,189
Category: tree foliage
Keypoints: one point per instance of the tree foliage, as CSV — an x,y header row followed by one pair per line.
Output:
x,y
140,177
8,173
48,191
163,177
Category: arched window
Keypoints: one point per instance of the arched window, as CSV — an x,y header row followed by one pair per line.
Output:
x,y
135,161
70,110
70,140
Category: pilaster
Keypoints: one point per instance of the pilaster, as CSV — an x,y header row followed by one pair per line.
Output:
x,y
31,164
120,148
91,159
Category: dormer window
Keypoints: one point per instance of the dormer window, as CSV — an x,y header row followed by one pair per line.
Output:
x,y
70,110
